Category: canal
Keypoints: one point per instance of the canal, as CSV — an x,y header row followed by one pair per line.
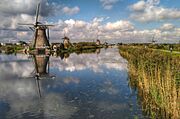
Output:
x,y
105,84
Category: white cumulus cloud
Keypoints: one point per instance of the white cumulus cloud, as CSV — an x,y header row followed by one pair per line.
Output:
x,y
151,11
71,11
167,26
141,5
108,4
119,25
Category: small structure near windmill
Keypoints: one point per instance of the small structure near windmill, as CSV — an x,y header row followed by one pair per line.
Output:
x,y
41,33
98,42
57,46
22,43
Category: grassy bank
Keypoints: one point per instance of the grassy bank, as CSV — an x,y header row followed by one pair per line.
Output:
x,y
75,47
81,47
155,75
163,47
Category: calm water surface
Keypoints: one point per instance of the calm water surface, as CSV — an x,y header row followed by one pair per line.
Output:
x,y
75,86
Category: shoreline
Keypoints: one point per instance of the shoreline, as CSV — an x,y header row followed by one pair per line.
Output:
x,y
85,46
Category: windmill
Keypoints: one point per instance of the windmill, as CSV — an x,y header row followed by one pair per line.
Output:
x,y
41,32
153,41
97,34
98,42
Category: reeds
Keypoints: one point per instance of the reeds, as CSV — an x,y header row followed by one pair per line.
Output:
x,y
156,76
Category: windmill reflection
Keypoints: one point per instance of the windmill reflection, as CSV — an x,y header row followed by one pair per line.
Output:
x,y
41,71
41,63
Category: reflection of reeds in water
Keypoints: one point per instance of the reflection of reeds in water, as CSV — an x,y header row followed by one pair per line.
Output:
x,y
156,77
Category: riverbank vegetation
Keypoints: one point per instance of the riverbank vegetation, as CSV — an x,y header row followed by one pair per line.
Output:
x,y
59,48
156,77
8,49
168,47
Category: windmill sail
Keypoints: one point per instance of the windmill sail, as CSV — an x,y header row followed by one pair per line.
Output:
x,y
28,24
37,14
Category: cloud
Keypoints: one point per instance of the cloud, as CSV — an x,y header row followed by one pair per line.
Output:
x,y
153,2
17,7
118,25
71,11
139,6
150,11
20,11
112,32
83,30
80,30
108,4
167,27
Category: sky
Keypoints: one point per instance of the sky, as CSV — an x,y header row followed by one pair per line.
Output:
x,y
111,21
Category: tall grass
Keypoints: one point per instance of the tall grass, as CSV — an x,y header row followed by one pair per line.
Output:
x,y
156,76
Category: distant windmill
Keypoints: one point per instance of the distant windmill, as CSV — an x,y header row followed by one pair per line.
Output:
x,y
41,40
97,35
153,41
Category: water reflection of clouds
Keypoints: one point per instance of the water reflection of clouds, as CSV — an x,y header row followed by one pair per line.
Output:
x,y
109,59
55,105
13,57
12,66
109,106
22,94
109,88
22,98
17,88
51,106
9,70
68,80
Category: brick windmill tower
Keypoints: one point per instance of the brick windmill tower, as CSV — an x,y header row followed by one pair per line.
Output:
x,y
41,33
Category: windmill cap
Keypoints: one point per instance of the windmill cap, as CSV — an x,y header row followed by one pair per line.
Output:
x,y
65,38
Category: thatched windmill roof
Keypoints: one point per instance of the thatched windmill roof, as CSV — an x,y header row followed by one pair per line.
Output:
x,y
66,38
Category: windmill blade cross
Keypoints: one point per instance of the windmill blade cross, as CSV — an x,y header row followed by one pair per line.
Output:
x,y
46,25
32,28
24,24
49,25
34,38
37,14
48,33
